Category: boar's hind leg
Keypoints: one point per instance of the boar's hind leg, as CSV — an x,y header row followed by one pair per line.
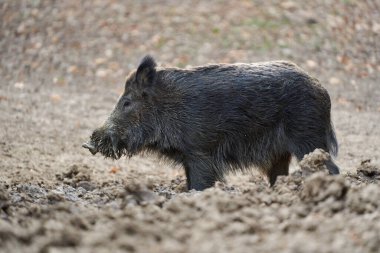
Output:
x,y
280,167
199,175
332,168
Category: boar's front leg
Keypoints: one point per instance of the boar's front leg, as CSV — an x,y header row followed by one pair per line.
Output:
x,y
200,174
280,167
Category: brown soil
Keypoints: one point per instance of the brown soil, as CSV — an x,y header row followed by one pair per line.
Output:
x,y
62,67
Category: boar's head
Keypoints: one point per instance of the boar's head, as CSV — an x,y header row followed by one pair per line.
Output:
x,y
131,125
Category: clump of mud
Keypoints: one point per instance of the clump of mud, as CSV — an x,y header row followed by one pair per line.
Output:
x,y
4,200
137,193
77,177
315,162
366,173
368,170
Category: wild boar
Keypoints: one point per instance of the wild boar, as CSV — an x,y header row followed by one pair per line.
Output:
x,y
220,117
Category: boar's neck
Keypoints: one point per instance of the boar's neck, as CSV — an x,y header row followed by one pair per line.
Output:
x,y
170,120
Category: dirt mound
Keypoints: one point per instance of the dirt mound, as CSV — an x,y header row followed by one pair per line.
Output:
x,y
314,162
149,216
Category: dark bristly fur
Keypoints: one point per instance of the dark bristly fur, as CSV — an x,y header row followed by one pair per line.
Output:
x,y
216,118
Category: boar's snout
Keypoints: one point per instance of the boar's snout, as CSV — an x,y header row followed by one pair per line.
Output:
x,y
90,146
105,141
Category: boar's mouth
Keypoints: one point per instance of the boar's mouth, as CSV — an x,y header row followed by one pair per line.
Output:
x,y
109,146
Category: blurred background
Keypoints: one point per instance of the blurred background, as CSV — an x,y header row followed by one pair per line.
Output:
x,y
98,42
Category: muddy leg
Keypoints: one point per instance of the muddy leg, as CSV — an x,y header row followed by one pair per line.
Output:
x,y
332,167
279,168
199,176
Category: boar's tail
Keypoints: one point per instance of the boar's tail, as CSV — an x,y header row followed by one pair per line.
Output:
x,y
332,143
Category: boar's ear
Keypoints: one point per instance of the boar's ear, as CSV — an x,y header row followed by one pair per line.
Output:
x,y
146,71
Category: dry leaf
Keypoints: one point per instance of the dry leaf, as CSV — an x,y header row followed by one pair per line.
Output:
x,y
19,85
343,101
114,169
311,64
55,98
334,81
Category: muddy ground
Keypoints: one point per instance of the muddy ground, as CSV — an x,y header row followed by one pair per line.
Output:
x,y
62,67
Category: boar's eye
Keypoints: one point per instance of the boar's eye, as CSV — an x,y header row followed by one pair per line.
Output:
x,y
126,104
